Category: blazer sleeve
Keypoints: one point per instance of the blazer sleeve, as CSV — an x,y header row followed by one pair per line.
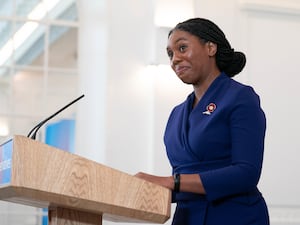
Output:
x,y
247,128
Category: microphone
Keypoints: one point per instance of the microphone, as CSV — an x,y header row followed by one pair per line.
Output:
x,y
37,127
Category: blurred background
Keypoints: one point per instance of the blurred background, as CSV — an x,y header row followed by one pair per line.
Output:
x,y
52,51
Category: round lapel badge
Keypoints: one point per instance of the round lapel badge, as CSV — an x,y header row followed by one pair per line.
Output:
x,y
211,107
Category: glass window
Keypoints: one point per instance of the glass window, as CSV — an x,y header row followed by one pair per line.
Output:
x,y
63,37
38,57
38,74
24,8
6,7
29,44
6,45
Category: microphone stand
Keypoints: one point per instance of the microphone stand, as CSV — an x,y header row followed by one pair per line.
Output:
x,y
33,132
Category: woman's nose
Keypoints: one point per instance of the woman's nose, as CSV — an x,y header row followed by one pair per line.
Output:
x,y
175,59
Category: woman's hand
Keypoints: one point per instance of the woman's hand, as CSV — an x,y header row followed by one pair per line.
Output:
x,y
167,182
188,182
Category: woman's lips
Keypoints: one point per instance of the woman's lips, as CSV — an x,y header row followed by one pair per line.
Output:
x,y
181,69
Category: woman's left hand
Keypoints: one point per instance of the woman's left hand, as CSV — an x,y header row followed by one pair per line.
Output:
x,y
167,182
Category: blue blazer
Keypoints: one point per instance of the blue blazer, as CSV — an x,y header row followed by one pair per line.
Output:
x,y
222,140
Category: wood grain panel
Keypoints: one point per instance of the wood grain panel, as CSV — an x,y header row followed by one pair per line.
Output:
x,y
45,176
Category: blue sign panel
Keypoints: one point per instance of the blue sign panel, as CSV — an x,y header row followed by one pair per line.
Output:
x,y
5,162
61,135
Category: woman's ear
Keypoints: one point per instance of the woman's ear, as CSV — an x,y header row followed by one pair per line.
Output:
x,y
212,48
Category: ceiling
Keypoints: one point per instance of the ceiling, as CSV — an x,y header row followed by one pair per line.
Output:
x,y
12,20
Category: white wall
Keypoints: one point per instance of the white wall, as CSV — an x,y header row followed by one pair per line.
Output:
x,y
92,64
133,108
129,100
272,42
126,107
268,32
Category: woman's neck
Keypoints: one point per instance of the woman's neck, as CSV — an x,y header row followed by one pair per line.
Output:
x,y
201,88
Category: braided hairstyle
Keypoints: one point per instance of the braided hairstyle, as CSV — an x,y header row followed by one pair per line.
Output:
x,y
229,61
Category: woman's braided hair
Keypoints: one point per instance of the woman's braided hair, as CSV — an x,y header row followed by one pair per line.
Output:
x,y
229,61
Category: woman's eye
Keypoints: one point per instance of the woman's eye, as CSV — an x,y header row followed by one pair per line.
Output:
x,y
182,48
170,54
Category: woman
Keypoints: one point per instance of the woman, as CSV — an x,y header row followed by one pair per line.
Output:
x,y
215,139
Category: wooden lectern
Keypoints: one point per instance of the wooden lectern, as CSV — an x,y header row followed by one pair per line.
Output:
x,y
74,189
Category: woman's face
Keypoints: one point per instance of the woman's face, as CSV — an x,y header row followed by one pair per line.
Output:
x,y
190,58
